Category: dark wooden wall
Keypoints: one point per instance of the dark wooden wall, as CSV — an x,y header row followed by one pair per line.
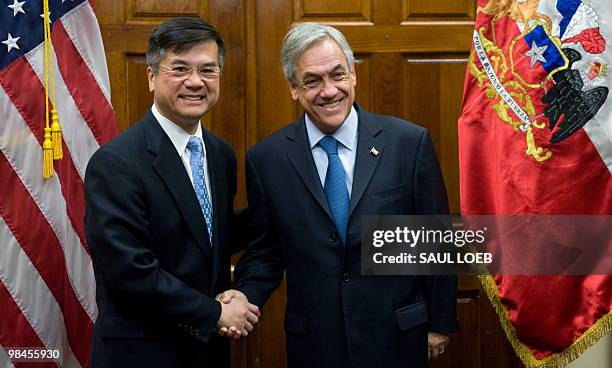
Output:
x,y
411,58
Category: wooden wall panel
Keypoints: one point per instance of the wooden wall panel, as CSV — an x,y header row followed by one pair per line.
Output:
x,y
387,89
153,11
118,81
452,75
139,99
363,89
464,348
440,10
271,332
332,11
495,350
274,107
433,100
408,37
174,7
228,118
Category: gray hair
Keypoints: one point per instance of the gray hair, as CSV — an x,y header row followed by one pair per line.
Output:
x,y
304,35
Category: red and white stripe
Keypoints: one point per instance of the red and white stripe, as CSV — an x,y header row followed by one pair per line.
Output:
x,y
47,287
4,359
82,22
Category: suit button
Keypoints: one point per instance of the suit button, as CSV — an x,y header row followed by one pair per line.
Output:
x,y
333,237
346,277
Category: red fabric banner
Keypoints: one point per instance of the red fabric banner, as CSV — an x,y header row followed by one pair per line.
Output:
x,y
535,137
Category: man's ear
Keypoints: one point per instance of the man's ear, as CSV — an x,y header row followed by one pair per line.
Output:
x,y
294,92
151,78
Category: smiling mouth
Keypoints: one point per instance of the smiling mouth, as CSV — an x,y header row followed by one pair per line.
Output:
x,y
332,104
193,98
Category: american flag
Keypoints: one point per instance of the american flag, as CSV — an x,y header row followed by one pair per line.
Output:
x,y
47,288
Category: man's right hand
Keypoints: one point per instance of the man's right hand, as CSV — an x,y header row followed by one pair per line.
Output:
x,y
237,315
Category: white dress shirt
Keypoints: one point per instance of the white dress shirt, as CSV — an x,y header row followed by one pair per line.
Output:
x,y
346,135
179,139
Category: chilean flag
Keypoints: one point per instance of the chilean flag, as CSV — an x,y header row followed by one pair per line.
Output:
x,y
549,320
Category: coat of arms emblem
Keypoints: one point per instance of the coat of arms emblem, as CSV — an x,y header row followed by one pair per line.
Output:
x,y
544,73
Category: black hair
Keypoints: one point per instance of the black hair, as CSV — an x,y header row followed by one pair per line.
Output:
x,y
179,35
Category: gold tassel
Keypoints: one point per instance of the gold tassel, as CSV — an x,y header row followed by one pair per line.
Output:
x,y
47,155
56,136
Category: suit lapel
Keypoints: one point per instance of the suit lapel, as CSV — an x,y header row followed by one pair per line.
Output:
x,y
300,156
366,160
171,170
218,187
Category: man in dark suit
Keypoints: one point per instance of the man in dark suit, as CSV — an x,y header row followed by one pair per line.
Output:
x,y
308,185
159,203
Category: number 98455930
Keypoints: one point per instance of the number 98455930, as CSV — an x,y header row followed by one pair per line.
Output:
x,y
32,354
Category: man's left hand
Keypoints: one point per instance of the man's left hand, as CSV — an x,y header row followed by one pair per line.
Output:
x,y
436,344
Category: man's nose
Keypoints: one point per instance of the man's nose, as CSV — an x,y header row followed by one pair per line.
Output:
x,y
194,80
329,88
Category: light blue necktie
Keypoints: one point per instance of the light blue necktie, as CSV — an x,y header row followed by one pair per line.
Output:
x,y
335,186
197,171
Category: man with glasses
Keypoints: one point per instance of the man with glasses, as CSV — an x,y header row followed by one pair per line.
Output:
x,y
308,186
159,201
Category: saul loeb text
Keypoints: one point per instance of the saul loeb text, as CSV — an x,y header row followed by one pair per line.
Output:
x,y
433,242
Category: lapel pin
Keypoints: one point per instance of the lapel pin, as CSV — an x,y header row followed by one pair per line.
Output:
x,y
374,152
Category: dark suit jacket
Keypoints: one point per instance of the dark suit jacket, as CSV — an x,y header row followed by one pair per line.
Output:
x,y
335,316
156,272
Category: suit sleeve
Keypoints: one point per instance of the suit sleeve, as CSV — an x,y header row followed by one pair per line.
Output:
x,y
240,221
116,226
260,269
431,199
237,220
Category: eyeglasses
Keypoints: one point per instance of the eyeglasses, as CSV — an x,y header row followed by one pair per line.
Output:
x,y
316,82
182,72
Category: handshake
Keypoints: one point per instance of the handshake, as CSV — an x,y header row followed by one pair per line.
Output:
x,y
237,315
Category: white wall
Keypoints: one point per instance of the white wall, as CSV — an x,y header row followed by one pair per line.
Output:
x,y
598,356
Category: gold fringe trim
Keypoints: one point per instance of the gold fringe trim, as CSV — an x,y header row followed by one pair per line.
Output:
x,y
602,327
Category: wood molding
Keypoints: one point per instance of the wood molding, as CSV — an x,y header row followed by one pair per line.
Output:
x,y
409,37
147,11
332,12
439,10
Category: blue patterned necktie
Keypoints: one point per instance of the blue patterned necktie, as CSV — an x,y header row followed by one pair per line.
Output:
x,y
335,185
197,171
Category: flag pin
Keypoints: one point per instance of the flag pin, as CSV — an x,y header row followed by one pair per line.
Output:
x,y
374,152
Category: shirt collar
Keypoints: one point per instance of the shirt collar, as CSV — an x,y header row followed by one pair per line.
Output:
x,y
346,134
177,135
